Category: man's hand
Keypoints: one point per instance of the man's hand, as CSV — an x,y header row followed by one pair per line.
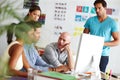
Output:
x,y
66,47
63,68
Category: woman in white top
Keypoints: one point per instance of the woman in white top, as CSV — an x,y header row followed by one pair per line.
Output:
x,y
16,58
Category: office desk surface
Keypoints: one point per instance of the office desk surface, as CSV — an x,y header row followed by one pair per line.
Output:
x,y
13,78
80,78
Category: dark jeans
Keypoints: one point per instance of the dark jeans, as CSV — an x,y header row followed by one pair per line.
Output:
x,y
103,63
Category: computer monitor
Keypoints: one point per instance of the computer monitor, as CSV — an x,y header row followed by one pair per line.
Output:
x,y
89,52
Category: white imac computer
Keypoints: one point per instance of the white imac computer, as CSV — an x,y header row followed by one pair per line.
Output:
x,y
89,52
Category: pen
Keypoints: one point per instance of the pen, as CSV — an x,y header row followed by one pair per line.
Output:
x,y
114,76
110,74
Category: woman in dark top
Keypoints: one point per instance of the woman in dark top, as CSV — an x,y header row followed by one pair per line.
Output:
x,y
33,15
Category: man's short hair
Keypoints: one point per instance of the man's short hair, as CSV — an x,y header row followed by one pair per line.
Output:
x,y
20,28
103,2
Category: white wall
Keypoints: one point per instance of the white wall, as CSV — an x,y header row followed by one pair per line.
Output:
x,y
17,5
114,63
114,58
3,43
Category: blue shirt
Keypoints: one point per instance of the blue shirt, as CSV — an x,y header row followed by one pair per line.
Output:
x,y
34,59
103,29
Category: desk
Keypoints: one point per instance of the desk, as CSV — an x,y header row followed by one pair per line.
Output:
x,y
13,78
80,78
102,76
